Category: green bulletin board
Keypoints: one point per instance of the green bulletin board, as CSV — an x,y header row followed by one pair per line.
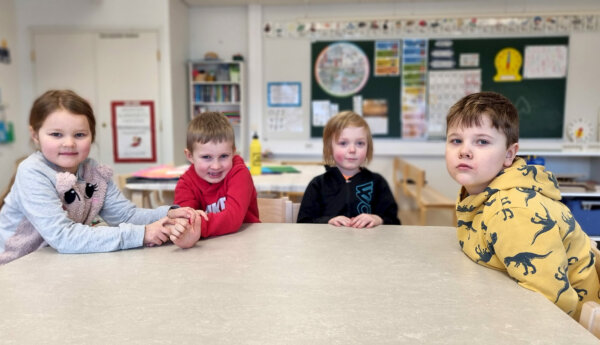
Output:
x,y
540,101
376,87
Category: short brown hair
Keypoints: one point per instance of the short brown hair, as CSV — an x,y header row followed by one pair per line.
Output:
x,y
334,128
209,126
53,100
467,112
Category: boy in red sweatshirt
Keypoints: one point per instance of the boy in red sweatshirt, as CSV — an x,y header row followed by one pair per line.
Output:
x,y
217,184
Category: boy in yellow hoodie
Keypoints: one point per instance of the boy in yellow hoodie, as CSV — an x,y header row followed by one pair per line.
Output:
x,y
509,214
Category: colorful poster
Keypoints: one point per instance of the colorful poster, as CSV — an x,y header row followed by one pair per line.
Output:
x,y
414,89
445,88
545,62
375,112
342,69
284,94
133,131
387,58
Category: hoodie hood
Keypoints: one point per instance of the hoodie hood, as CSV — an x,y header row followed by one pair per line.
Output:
x,y
518,176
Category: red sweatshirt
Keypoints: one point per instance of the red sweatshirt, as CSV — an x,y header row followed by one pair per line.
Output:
x,y
228,203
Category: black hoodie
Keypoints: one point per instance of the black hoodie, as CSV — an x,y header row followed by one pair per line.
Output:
x,y
329,195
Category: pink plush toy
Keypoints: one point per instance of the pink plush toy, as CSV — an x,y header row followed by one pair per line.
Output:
x,y
82,200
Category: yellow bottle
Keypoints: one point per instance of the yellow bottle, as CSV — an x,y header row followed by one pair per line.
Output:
x,y
255,156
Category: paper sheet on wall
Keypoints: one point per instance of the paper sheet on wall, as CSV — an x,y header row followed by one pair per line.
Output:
x,y
284,120
321,112
445,88
284,94
377,124
134,131
545,62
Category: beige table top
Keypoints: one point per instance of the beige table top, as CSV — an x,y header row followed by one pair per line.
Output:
x,y
286,182
278,284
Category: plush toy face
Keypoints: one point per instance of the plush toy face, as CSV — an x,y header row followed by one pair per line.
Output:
x,y
83,200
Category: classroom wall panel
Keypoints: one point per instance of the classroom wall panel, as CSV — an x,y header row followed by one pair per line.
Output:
x,y
9,94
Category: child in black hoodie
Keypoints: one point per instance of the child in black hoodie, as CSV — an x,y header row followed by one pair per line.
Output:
x,y
348,194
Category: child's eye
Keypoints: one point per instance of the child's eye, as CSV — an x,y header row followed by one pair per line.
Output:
x,y
80,135
482,142
206,158
361,144
342,143
56,134
454,141
225,155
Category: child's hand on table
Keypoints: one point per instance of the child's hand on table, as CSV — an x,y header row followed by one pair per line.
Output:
x,y
339,221
157,233
366,220
185,233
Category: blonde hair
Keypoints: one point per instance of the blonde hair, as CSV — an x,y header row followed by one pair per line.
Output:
x,y
209,127
334,128
467,112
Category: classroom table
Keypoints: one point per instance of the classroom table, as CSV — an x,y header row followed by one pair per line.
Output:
x,y
279,183
278,284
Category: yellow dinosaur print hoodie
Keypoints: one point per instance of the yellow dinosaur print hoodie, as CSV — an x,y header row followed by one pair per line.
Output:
x,y
518,225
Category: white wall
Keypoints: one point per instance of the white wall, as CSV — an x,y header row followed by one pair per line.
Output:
x,y
93,15
9,86
218,29
179,55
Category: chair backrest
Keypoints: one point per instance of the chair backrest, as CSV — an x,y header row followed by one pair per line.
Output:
x,y
121,180
416,176
399,172
409,177
273,210
12,180
295,210
590,317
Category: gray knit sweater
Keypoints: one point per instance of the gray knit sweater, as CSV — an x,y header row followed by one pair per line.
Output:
x,y
34,199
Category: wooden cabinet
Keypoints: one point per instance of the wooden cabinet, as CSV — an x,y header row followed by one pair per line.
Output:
x,y
218,86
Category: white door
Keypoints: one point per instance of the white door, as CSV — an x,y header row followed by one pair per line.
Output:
x,y
65,60
102,67
126,70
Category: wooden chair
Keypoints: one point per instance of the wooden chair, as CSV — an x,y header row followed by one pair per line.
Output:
x,y
275,210
590,317
12,180
411,180
295,210
145,199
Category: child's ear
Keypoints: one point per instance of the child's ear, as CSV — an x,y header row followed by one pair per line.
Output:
x,y
34,135
188,156
511,153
